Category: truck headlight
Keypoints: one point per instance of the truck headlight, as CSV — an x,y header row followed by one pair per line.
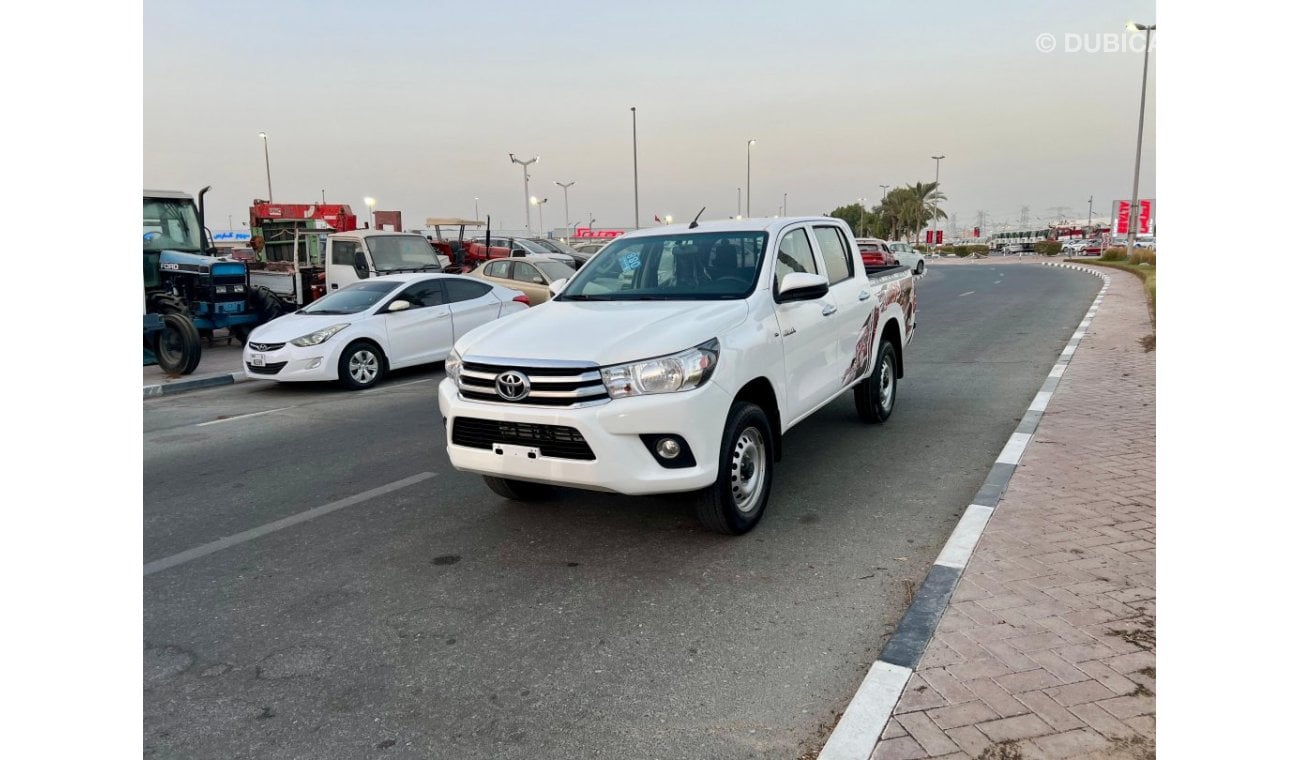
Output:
x,y
452,366
320,336
666,374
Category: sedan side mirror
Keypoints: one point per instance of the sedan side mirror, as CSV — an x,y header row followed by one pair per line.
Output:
x,y
558,285
399,305
802,286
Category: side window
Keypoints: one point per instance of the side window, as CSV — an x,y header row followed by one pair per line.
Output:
x,y
496,269
423,294
794,254
465,289
525,272
344,252
834,253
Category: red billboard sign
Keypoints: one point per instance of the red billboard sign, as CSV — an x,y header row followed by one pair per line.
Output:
x,y
1122,217
587,232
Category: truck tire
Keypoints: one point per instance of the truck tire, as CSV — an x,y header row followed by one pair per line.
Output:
x,y
518,490
874,397
361,366
735,502
177,347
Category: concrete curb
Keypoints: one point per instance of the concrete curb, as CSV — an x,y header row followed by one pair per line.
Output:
x,y
858,731
193,384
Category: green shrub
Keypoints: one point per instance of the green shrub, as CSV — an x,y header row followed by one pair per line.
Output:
x,y
1144,256
979,248
1047,247
1115,253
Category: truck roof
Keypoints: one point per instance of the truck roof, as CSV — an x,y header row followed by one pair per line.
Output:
x,y
371,233
756,224
168,194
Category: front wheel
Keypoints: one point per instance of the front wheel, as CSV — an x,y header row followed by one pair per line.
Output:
x,y
735,502
874,397
178,347
361,366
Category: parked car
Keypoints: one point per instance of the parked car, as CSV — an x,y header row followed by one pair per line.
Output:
x,y
1092,247
591,247
875,252
908,256
481,249
531,274
554,246
675,362
358,333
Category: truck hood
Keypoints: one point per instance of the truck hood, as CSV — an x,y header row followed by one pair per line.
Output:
x,y
290,326
604,332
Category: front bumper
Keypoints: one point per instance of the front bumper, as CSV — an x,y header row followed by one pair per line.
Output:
x,y
612,430
294,364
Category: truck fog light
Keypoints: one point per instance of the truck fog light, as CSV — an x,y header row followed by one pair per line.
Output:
x,y
668,448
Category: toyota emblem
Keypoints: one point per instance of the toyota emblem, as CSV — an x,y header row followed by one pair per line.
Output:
x,y
513,386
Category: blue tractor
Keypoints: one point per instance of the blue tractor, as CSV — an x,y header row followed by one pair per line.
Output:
x,y
186,282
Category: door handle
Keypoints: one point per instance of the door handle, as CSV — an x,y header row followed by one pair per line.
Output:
x,y
829,309
864,295
443,315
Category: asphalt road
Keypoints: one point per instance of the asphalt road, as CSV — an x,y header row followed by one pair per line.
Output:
x,y
436,620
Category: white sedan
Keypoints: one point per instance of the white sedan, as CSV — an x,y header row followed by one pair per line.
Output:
x,y
357,334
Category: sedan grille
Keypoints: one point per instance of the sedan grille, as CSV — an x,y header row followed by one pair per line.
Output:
x,y
266,346
551,440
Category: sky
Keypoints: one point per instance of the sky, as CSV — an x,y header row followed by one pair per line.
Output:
x,y
419,104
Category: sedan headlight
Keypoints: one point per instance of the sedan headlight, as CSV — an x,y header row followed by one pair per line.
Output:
x,y
320,336
452,366
666,374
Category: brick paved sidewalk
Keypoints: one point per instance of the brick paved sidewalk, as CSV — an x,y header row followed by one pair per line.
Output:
x,y
1048,647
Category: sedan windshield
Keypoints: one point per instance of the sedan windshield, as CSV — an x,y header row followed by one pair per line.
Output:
x,y
684,266
403,253
352,299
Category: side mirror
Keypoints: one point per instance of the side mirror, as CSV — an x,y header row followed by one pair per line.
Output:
x,y
558,285
400,304
802,286
359,264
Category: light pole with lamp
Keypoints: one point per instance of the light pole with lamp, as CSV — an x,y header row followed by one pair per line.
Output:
x,y
538,204
1133,216
934,221
636,185
565,187
748,150
738,203
476,208
266,152
528,216
370,204
785,199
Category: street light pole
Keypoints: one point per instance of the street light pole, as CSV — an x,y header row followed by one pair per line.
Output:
x,y
785,199
748,196
476,208
565,186
528,216
540,222
1089,214
883,188
934,222
266,152
636,185
737,203
1142,112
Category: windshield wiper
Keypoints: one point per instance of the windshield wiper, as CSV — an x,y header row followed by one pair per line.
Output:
x,y
582,297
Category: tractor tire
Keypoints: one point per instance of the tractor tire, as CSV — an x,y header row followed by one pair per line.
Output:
x,y
266,303
178,347
167,303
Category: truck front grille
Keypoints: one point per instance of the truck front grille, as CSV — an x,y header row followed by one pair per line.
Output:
x,y
549,385
551,440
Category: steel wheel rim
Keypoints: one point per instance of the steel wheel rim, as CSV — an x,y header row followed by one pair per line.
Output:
x,y
748,469
363,366
886,385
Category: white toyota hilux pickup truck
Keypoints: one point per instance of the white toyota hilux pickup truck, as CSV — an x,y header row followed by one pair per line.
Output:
x,y
675,360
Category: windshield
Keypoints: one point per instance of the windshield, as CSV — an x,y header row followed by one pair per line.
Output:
x,y
530,246
402,253
685,266
171,224
352,299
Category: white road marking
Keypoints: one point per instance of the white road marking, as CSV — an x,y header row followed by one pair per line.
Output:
x,y
855,735
1039,403
966,293
248,535
1014,449
956,553
241,416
